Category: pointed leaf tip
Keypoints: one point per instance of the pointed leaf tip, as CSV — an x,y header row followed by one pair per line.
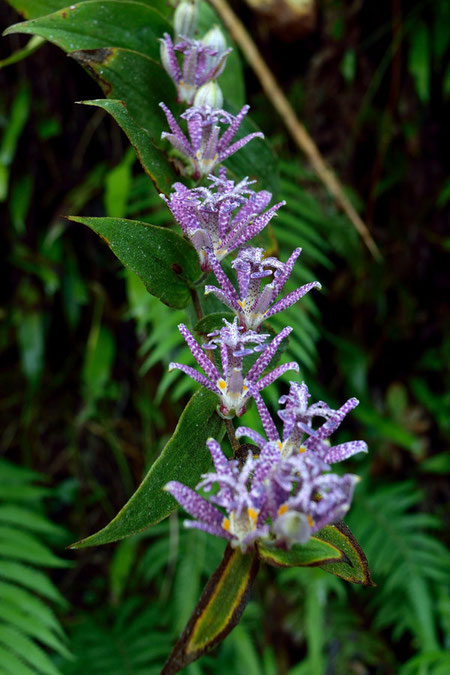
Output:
x,y
218,611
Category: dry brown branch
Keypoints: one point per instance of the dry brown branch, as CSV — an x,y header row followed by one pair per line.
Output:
x,y
298,132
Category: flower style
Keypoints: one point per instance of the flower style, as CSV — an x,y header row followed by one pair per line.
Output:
x,y
202,63
220,218
233,387
206,150
268,498
297,419
253,305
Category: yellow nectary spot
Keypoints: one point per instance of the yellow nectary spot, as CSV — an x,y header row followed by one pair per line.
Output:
x,y
198,154
301,449
215,156
222,384
253,514
244,388
283,508
181,83
310,520
279,444
226,524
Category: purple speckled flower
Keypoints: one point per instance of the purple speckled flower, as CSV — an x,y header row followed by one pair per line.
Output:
x,y
299,436
205,149
254,304
267,498
222,217
232,386
201,63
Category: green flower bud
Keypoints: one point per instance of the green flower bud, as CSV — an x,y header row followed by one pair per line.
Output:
x,y
185,19
216,39
209,94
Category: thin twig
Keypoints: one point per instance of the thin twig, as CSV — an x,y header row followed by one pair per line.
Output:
x,y
298,132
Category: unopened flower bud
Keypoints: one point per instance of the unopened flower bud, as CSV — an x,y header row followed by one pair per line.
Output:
x,y
216,39
209,94
185,19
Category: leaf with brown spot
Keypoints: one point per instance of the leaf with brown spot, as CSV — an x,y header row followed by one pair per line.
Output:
x,y
100,23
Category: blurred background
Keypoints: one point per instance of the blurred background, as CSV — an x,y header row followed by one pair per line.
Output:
x,y
87,403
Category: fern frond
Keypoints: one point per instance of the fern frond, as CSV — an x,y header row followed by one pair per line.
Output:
x,y
29,630
406,559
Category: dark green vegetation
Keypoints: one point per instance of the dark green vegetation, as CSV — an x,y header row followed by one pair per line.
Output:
x,y
87,401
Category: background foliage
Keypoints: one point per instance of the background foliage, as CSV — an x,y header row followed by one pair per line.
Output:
x,y
87,401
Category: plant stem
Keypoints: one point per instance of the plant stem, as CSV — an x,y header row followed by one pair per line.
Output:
x,y
197,306
232,436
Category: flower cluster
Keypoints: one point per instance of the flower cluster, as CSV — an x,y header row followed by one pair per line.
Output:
x,y
221,218
203,60
233,388
205,148
287,491
266,498
252,304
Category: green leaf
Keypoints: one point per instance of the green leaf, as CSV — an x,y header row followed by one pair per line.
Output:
x,y
15,543
17,119
33,44
32,344
165,262
218,611
153,160
138,80
100,23
20,620
99,360
118,185
31,579
419,60
355,568
31,9
13,664
184,458
315,552
32,520
437,464
27,649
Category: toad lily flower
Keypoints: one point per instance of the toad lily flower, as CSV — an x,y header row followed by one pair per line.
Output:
x,y
285,501
202,63
297,419
233,387
222,217
206,150
254,304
